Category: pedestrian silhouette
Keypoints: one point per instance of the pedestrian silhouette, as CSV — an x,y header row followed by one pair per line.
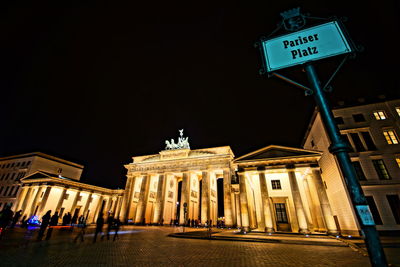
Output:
x,y
44,224
6,216
110,221
16,218
117,225
82,226
53,222
99,226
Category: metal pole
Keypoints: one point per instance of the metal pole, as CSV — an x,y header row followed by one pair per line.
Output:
x,y
340,149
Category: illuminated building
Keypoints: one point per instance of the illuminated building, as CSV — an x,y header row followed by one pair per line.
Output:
x,y
13,168
372,130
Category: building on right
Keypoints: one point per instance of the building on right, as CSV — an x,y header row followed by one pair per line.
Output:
x,y
372,131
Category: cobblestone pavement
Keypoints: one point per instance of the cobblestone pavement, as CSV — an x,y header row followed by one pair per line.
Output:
x,y
150,246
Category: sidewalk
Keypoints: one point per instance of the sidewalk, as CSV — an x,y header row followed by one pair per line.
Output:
x,y
287,238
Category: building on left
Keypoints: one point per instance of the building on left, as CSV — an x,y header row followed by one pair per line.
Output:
x,y
38,182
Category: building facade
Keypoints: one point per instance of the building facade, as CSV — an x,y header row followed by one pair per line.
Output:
x,y
42,191
372,131
13,168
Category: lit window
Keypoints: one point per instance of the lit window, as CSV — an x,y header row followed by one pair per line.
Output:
x,y
276,184
398,161
391,137
398,111
381,169
380,115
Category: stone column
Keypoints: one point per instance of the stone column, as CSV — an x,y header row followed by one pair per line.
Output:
x,y
227,198
144,193
159,208
20,198
87,204
127,202
185,196
26,200
323,199
298,204
44,199
98,208
119,204
35,200
313,221
244,210
78,193
238,213
205,197
266,207
61,200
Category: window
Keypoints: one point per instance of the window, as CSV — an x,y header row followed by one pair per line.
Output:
x,y
359,172
17,164
391,137
358,117
280,210
23,164
381,169
357,142
12,165
339,120
394,203
398,161
28,163
11,190
347,141
6,176
398,111
12,176
1,189
276,184
380,115
5,191
368,141
374,210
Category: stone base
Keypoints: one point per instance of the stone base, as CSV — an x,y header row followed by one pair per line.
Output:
x,y
269,230
245,229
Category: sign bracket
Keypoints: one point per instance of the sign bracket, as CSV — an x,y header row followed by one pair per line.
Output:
x,y
327,87
307,90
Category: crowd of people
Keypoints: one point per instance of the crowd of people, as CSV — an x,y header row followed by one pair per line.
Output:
x,y
50,221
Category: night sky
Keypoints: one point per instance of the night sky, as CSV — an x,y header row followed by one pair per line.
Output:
x,y
98,85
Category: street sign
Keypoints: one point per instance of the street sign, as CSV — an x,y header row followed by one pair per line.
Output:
x,y
315,43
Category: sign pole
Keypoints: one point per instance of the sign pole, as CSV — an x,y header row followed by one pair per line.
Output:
x,y
340,149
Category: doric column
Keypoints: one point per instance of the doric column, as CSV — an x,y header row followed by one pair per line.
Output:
x,y
323,199
35,200
298,204
78,193
20,198
313,221
87,204
118,209
127,201
159,208
61,200
98,208
205,197
238,213
185,196
44,200
266,208
227,198
144,193
26,200
244,209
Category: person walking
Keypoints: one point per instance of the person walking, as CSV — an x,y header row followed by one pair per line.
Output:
x,y
82,226
44,224
6,216
117,225
110,221
16,218
99,226
53,222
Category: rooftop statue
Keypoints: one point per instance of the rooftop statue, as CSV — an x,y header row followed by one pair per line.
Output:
x,y
183,142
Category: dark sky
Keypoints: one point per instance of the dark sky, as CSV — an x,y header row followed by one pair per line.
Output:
x,y
98,85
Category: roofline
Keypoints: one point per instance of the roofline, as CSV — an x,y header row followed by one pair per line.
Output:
x,y
277,146
70,182
43,155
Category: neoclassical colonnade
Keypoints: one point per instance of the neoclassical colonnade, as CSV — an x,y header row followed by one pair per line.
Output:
x,y
281,189
42,192
151,192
